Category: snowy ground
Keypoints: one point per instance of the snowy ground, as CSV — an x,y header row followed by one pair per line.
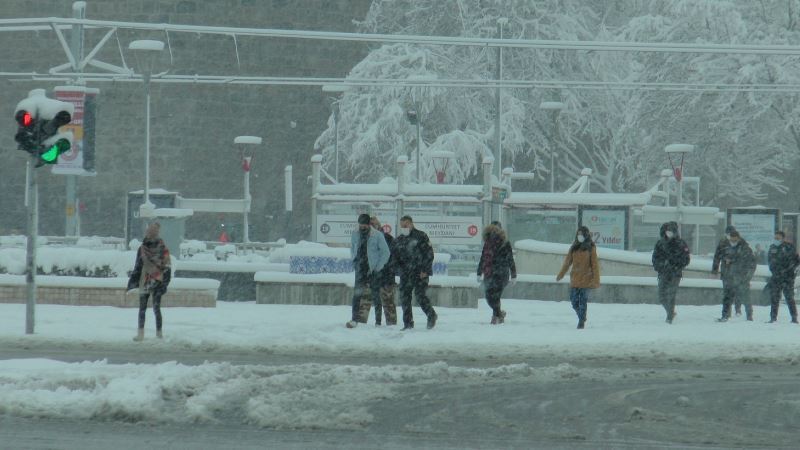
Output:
x,y
628,380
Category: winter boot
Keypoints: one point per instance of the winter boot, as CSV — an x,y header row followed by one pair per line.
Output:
x,y
432,320
502,317
139,335
159,334
378,315
408,326
351,324
495,320
581,324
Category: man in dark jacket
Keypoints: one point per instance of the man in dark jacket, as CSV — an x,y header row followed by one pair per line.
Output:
x,y
415,264
738,264
670,257
783,262
722,246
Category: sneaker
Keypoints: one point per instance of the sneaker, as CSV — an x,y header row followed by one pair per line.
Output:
x,y
722,319
351,324
432,320
772,321
495,320
502,318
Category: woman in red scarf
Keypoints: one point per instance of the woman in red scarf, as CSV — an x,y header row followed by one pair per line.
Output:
x,y
495,267
151,275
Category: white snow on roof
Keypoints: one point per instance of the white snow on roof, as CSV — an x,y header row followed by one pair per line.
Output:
x,y
562,198
253,140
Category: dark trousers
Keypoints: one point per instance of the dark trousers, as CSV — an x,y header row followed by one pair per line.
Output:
x,y
739,292
785,286
580,302
156,308
413,283
494,290
364,286
667,289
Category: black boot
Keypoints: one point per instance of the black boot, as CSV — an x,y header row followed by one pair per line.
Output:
x,y
432,320
378,315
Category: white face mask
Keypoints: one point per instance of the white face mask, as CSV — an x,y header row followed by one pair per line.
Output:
x,y
581,238
669,234
733,243
404,231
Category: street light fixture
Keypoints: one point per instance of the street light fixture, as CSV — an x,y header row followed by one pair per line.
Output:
x,y
247,156
146,52
556,108
681,150
337,88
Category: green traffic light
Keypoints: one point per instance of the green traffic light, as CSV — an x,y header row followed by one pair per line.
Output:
x,y
50,156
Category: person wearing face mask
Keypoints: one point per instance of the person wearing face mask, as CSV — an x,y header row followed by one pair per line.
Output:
x,y
585,274
738,264
722,247
151,276
415,264
670,257
783,261
369,254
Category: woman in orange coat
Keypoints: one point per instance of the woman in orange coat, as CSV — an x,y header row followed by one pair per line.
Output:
x,y
585,274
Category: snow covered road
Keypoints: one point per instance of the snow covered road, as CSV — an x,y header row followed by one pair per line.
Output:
x,y
244,375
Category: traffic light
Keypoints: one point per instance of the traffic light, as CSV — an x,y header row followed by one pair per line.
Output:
x,y
39,119
53,143
26,132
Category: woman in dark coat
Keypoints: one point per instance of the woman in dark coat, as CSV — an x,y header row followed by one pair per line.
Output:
x,y
151,276
585,274
496,267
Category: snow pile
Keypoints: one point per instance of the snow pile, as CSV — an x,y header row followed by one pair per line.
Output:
x,y
70,261
304,396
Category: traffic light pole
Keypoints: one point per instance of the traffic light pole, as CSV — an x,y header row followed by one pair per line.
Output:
x,y
33,232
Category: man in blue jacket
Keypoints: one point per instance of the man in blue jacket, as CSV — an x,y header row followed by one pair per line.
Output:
x,y
369,254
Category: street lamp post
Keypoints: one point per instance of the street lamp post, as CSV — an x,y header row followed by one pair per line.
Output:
x,y
501,22
555,107
337,88
146,52
247,157
681,150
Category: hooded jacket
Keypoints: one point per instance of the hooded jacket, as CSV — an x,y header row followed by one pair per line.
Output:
x,y
670,255
497,257
582,256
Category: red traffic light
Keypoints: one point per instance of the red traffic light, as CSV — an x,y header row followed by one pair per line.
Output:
x,y
24,118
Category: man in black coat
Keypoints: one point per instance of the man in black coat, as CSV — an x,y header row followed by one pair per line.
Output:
x,y
670,257
783,261
722,246
738,264
415,264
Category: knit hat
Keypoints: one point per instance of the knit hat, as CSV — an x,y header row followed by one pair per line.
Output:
x,y
363,219
729,229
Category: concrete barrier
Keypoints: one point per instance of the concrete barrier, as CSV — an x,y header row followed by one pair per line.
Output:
x,y
337,289
617,289
78,291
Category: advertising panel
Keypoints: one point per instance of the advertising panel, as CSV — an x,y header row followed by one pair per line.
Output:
x,y
609,225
